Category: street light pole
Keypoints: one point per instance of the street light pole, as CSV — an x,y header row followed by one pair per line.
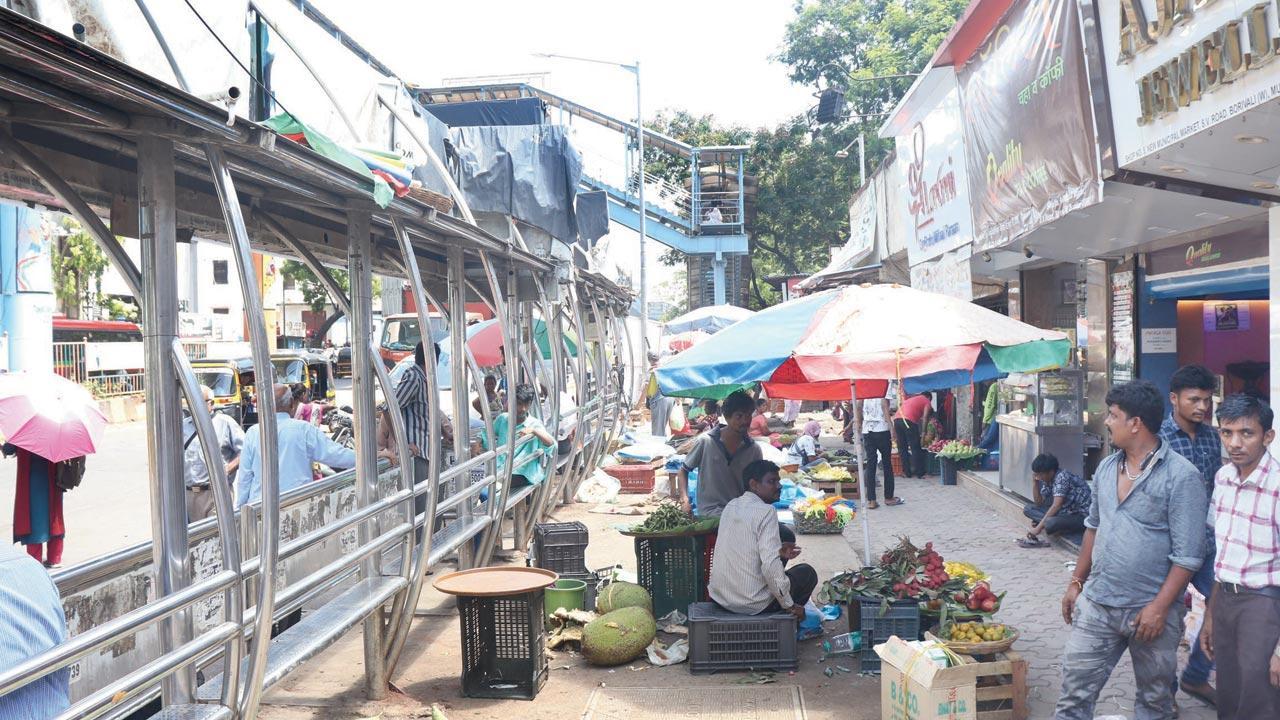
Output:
x,y
634,69
644,288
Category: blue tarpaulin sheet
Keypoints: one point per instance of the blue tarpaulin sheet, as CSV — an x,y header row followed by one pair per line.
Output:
x,y
530,172
521,111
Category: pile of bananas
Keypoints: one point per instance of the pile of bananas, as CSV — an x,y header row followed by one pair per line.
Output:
x,y
829,472
968,572
976,632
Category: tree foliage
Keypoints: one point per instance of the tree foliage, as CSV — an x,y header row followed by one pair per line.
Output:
x,y
78,265
314,294
803,188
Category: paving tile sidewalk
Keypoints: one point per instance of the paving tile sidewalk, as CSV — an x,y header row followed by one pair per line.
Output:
x,y
958,522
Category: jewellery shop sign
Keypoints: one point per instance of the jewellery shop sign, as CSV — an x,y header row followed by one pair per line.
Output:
x,y
1028,123
1176,67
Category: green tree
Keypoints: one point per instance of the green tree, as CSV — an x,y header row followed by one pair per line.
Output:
x,y
78,266
316,295
803,188
844,43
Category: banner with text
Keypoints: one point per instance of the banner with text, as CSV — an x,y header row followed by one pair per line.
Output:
x,y
948,274
1029,126
937,190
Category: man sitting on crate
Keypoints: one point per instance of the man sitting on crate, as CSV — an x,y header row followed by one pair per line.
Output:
x,y
748,575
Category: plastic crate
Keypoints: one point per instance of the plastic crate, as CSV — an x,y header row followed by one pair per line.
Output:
x,y
503,646
901,619
673,570
561,548
635,479
896,463
722,640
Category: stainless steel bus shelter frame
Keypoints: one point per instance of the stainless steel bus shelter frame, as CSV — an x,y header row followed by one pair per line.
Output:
x,y
83,133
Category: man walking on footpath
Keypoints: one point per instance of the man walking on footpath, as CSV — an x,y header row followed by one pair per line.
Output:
x,y
1187,433
720,457
877,438
1143,540
1242,624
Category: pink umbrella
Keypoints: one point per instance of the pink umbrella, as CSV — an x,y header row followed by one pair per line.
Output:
x,y
49,415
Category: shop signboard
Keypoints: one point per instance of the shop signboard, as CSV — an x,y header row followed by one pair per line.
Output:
x,y
862,234
1175,67
1204,254
948,274
1029,126
1122,335
1159,340
937,187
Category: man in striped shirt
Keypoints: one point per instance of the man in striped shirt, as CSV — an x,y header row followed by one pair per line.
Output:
x,y
1242,624
31,622
414,396
748,576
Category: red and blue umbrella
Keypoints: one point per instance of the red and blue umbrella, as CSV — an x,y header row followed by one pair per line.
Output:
x,y
813,347
848,343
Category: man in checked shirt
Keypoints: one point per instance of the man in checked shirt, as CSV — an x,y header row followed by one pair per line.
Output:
x,y
1242,625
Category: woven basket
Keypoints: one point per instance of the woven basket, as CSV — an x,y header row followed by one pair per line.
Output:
x,y
812,526
443,203
981,648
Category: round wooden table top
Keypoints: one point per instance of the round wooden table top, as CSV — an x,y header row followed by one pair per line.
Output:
x,y
494,581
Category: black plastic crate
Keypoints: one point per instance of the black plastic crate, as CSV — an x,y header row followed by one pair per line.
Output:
x,y
673,570
561,548
722,640
503,646
902,618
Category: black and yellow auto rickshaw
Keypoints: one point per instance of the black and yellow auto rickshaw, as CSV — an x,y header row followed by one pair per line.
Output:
x,y
309,368
231,381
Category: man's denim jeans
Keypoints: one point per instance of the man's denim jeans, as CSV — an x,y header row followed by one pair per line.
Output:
x,y
1099,636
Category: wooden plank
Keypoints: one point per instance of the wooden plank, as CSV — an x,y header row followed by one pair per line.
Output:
x,y
1020,710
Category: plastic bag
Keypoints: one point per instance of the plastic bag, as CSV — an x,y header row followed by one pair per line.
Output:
x,y
673,654
600,487
676,420
811,626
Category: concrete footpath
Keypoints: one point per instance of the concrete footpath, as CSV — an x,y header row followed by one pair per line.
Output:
x,y
958,522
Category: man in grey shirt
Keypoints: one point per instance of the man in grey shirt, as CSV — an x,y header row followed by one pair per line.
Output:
x,y
1143,540
195,471
720,456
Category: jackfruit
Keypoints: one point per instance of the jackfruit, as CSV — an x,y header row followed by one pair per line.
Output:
x,y
618,637
620,595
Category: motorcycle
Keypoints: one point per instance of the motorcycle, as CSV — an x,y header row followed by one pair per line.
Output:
x,y
341,427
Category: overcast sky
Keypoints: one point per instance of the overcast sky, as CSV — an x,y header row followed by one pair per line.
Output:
x,y
707,56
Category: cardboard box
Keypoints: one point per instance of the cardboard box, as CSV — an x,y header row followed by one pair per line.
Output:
x,y
914,688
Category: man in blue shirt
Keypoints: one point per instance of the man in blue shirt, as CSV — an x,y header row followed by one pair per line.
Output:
x,y
1187,433
1143,540
31,622
300,445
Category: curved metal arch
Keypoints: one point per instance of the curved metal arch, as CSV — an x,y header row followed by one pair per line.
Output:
x,y
224,512
269,539
511,344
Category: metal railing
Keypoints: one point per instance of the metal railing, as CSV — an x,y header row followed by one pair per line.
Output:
x,y
69,361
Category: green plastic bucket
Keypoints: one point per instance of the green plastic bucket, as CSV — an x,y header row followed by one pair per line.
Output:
x,y
567,594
